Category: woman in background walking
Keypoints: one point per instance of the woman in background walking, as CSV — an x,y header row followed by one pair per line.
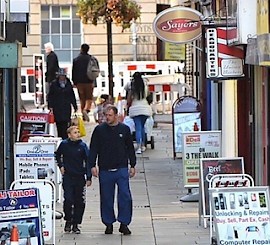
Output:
x,y
139,109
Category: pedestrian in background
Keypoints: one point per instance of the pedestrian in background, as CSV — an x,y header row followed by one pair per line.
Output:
x,y
139,109
72,157
52,65
100,110
84,85
60,98
112,145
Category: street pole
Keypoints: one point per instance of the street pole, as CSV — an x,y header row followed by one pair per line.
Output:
x,y
109,52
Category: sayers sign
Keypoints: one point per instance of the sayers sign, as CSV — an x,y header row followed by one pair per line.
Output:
x,y
178,25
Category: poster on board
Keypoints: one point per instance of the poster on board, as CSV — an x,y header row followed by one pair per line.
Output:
x,y
35,161
241,215
21,209
184,122
213,166
197,145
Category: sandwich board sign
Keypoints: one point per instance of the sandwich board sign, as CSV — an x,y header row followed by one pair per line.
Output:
x,y
20,209
241,214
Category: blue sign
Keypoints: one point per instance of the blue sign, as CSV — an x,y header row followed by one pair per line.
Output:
x,y
21,209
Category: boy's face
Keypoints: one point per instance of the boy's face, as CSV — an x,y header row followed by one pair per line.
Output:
x,y
74,134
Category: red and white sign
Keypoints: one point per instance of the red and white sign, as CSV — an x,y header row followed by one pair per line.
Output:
x,y
178,25
223,61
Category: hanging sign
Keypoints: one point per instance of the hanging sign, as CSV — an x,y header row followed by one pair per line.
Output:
x,y
178,25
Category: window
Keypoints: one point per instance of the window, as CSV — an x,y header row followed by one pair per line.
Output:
x,y
61,27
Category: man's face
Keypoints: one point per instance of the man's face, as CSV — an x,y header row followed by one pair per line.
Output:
x,y
47,50
111,118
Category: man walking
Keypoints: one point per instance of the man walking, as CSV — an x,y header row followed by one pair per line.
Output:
x,y
84,85
112,144
52,65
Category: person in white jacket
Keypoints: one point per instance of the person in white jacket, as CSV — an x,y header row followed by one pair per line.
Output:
x,y
139,109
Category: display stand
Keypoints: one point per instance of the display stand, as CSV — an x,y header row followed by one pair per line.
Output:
x,y
210,167
47,201
221,182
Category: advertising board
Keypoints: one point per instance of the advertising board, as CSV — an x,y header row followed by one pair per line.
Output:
x,y
210,167
197,145
35,161
20,209
241,215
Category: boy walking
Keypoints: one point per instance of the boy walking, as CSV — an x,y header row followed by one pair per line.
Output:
x,y
72,159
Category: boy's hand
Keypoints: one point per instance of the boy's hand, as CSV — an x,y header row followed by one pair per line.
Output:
x,y
88,183
62,170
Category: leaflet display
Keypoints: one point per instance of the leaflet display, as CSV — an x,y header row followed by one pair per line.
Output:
x,y
241,215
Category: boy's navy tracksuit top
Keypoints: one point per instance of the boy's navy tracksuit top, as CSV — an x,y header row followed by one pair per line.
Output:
x,y
74,157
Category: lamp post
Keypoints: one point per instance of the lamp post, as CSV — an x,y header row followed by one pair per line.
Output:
x,y
109,52
109,7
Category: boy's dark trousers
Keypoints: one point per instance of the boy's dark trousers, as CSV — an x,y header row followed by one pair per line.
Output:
x,y
74,198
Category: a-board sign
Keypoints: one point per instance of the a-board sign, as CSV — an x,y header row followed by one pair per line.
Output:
x,y
197,145
213,166
21,208
31,123
47,204
35,161
186,116
241,215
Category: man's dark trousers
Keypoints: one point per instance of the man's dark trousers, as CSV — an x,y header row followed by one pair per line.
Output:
x,y
108,180
74,198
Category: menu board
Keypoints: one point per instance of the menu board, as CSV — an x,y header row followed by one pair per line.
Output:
x,y
241,215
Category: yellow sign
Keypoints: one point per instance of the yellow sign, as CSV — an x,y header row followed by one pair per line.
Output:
x,y
262,17
175,51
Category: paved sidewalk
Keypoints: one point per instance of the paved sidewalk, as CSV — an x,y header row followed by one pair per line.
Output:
x,y
159,217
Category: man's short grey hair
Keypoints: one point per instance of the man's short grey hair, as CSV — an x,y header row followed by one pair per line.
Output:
x,y
49,45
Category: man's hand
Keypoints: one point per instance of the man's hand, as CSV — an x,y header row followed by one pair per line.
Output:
x,y
88,183
94,171
132,172
62,170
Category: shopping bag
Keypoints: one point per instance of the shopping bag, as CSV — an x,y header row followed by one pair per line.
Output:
x,y
78,121
81,126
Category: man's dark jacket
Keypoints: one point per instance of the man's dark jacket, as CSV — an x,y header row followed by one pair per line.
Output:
x,y
52,66
79,69
60,100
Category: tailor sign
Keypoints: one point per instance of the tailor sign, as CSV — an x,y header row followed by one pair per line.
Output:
x,y
178,25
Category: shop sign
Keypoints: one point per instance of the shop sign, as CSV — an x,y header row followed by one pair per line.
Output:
x,y
178,25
